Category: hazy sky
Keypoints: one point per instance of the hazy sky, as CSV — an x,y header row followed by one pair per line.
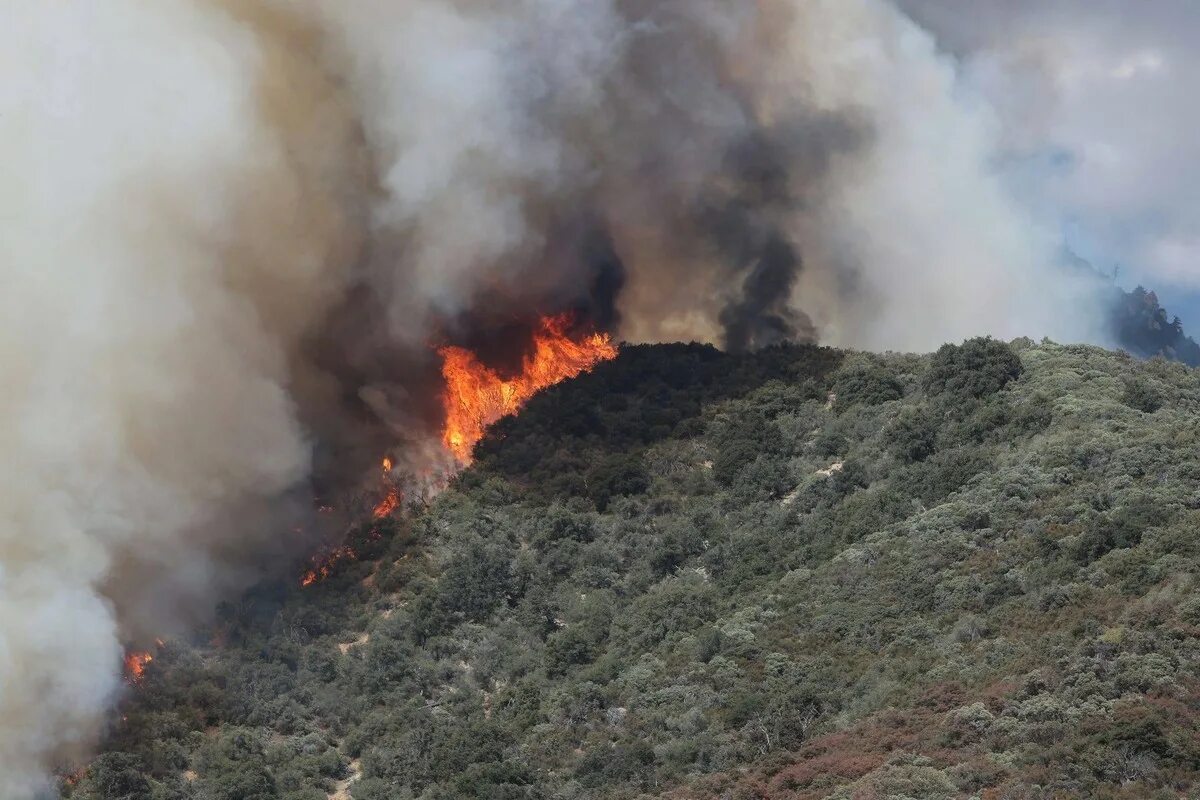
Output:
x,y
1097,101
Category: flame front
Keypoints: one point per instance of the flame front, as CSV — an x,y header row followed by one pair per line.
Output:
x,y
476,396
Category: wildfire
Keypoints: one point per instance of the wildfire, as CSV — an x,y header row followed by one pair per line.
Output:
x,y
135,665
476,396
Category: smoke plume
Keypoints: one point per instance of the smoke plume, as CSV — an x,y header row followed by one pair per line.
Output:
x,y
233,228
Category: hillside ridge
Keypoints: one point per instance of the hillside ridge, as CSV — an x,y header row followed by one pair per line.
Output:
x,y
796,573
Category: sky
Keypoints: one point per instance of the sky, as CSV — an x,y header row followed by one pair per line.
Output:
x,y
1097,105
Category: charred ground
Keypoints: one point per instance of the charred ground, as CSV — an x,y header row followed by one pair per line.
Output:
x,y
797,573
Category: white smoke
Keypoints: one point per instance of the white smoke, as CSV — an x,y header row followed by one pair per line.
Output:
x,y
196,191
1095,100
163,251
919,240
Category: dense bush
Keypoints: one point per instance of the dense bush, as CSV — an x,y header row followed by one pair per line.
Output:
x,y
865,381
974,369
1141,395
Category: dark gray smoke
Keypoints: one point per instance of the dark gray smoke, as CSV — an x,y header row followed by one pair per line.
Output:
x,y
607,280
759,318
745,215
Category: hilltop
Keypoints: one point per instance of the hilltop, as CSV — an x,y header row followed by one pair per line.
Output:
x,y
798,573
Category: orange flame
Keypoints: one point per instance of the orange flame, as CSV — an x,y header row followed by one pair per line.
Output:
x,y
476,396
135,665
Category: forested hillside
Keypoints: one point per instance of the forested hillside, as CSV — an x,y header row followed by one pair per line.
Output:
x,y
1142,327
799,573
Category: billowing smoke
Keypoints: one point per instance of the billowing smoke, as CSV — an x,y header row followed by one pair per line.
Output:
x,y
232,229
1095,102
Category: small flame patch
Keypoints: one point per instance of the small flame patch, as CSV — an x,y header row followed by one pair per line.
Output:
x,y
323,565
135,666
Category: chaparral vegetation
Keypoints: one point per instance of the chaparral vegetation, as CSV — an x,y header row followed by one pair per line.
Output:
x,y
797,573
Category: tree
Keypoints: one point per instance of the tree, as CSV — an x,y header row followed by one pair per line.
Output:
x,y
118,776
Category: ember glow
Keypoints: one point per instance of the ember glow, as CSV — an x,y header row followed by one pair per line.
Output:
x,y
476,396
135,666
322,565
